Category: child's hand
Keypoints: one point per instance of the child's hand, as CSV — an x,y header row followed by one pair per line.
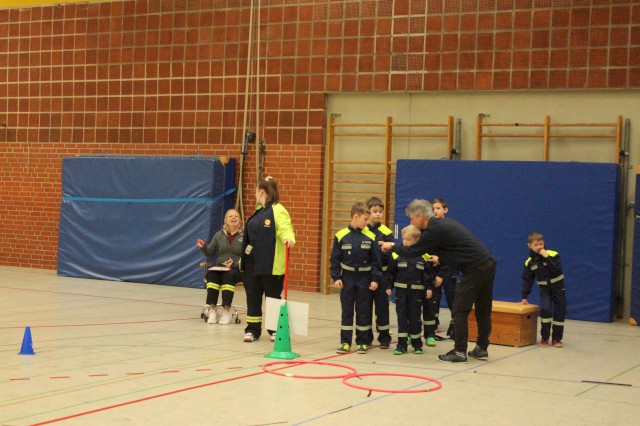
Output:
x,y
338,284
434,259
388,292
200,243
429,294
543,253
525,302
228,263
386,247
289,243
437,282
373,286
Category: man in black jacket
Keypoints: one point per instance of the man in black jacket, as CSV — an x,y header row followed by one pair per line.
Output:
x,y
458,248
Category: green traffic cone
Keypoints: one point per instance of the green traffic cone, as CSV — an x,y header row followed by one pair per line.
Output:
x,y
282,345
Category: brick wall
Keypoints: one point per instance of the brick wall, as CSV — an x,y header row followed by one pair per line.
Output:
x,y
154,77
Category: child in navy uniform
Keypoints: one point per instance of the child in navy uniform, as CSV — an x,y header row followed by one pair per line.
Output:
x,y
380,299
356,271
409,277
544,266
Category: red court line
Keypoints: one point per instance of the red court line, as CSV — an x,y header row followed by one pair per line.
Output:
x,y
100,297
20,378
104,323
97,410
148,398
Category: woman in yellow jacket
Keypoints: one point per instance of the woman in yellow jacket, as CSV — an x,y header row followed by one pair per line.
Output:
x,y
267,233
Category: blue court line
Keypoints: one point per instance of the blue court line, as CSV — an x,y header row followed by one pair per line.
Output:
x,y
152,200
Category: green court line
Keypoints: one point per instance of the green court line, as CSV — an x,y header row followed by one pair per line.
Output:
x,y
608,380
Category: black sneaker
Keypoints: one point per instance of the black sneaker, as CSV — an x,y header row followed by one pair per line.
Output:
x,y
478,353
453,356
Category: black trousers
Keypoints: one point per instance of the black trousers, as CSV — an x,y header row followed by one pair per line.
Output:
x,y
222,282
474,287
355,295
257,286
408,308
553,303
380,307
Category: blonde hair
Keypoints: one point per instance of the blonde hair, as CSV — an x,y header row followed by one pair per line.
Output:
x,y
411,231
225,227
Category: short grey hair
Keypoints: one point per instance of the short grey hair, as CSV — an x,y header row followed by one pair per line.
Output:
x,y
417,207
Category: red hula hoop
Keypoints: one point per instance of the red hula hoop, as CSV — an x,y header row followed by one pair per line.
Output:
x,y
353,371
414,376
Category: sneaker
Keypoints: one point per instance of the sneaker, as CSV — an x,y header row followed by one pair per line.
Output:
x,y
453,356
344,348
417,351
213,316
249,337
362,349
225,318
544,343
384,345
400,350
478,353
205,313
272,337
431,341
439,338
557,344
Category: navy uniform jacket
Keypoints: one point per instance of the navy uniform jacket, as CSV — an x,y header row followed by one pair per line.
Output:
x,y
355,249
544,270
412,271
264,234
384,234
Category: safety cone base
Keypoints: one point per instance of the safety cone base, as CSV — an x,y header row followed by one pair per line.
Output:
x,y
282,355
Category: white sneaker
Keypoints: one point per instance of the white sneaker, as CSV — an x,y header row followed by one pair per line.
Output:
x,y
205,313
213,316
226,317
249,337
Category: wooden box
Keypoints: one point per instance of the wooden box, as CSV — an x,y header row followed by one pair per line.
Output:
x,y
512,324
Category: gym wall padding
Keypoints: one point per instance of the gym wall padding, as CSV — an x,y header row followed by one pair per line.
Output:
x,y
574,205
635,269
137,219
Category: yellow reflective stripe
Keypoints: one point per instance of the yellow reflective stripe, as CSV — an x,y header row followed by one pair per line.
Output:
x,y
558,323
346,327
228,287
403,334
542,283
254,319
383,327
545,320
556,279
363,327
430,322
416,336
417,287
213,286
384,268
400,285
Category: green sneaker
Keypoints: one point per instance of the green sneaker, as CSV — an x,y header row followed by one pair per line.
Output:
x,y
399,351
417,351
362,349
431,341
344,348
